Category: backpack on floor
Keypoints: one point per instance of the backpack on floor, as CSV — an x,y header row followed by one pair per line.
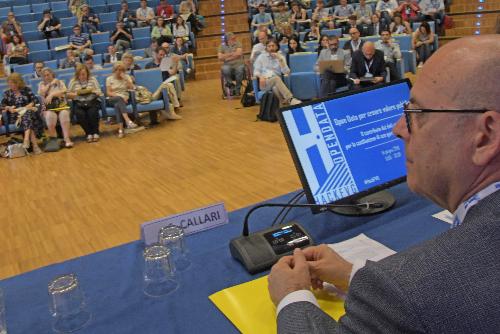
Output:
x,y
269,106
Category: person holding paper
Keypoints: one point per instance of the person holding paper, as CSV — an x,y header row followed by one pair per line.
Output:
x,y
448,284
367,67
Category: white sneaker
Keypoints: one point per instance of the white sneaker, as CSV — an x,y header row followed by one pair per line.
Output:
x,y
295,101
188,70
420,65
131,125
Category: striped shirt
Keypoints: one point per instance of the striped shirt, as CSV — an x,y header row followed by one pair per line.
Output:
x,y
79,40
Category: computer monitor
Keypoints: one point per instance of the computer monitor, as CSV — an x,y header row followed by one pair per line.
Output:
x,y
344,150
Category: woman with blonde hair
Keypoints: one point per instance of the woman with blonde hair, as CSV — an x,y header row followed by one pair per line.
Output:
x,y
20,102
84,90
117,89
53,93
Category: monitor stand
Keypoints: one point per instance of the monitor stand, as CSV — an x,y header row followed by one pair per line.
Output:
x,y
382,200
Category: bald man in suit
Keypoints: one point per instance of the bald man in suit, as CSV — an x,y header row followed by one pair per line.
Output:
x,y
449,284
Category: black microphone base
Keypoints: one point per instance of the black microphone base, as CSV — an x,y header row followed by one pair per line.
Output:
x,y
383,201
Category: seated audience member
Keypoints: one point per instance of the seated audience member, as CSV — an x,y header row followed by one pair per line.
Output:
x,y
409,10
260,47
117,89
293,47
286,35
322,15
376,26
313,34
231,54
74,7
150,51
257,32
121,37
364,13
367,66
39,66
84,90
165,10
71,60
253,6
17,51
161,31
342,13
172,91
112,56
187,9
262,18
88,20
422,41
11,26
282,18
356,43
185,58
415,290
80,42
126,16
298,18
268,69
53,94
130,67
144,14
398,26
49,25
433,10
328,79
88,60
17,97
323,44
181,29
385,9
392,53
352,23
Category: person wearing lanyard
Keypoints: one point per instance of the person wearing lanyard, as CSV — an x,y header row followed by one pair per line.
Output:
x,y
367,67
449,284
356,43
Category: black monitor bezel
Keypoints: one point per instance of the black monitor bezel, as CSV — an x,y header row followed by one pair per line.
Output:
x,y
303,180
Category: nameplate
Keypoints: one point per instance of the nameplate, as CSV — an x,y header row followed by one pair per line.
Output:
x,y
193,221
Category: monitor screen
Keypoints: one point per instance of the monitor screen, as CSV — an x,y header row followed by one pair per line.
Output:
x,y
343,146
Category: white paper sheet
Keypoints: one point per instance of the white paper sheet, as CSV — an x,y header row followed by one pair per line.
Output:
x,y
445,216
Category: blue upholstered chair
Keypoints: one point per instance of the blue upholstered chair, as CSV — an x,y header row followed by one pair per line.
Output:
x,y
303,81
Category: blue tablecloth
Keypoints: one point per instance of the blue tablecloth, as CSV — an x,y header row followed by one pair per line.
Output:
x,y
112,279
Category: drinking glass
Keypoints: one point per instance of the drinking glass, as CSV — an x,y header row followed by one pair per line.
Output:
x,y
172,237
67,304
158,271
3,323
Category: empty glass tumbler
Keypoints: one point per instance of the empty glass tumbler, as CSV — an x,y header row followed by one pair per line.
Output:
x,y
67,304
172,237
3,321
158,271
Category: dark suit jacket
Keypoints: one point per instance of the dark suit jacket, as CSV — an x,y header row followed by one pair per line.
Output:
x,y
358,68
107,57
371,28
449,284
348,46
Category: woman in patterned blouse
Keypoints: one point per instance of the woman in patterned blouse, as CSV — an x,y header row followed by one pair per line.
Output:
x,y
20,102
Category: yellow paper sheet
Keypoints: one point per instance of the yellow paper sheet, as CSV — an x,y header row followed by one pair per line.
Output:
x,y
249,307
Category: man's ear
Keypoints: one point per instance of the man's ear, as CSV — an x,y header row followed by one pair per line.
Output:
x,y
487,138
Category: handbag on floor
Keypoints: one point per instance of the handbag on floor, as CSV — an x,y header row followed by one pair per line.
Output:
x,y
248,98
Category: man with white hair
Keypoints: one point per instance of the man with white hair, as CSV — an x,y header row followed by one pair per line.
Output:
x,y
449,284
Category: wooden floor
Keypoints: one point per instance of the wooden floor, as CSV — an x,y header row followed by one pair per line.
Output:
x,y
58,206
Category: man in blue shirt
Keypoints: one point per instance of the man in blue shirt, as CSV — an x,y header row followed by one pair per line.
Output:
x,y
80,42
262,18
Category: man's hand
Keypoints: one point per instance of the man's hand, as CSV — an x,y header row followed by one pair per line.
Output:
x,y
325,265
378,79
289,274
356,81
262,82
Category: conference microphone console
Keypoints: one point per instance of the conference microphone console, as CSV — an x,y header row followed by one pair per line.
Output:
x,y
260,250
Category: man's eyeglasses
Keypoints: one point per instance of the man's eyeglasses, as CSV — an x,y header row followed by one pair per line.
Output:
x,y
408,111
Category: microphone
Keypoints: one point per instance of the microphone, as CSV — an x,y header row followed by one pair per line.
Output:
x,y
365,205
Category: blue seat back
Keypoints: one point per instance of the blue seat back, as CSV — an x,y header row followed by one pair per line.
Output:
x,y
37,45
100,37
55,42
39,8
101,47
107,17
21,10
29,26
151,79
141,43
68,21
332,32
53,64
59,5
42,55
404,42
141,32
303,62
23,69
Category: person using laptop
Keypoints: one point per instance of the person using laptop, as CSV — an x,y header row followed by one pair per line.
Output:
x,y
330,77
